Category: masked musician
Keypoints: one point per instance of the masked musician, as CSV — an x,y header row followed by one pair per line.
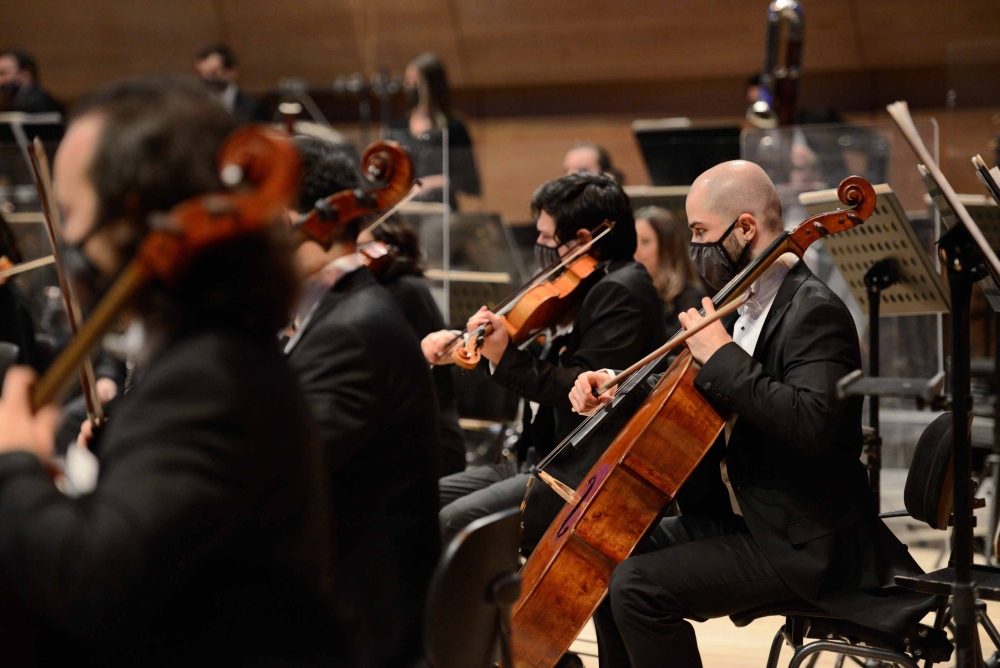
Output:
x,y
371,392
217,68
800,522
619,321
205,539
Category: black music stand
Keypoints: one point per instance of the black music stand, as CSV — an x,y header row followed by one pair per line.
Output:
x,y
887,269
471,595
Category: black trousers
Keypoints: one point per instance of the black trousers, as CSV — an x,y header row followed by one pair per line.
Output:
x,y
467,496
691,568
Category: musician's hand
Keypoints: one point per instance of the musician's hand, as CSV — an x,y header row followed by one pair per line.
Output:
x,y
107,389
86,435
24,429
704,344
496,342
582,395
435,347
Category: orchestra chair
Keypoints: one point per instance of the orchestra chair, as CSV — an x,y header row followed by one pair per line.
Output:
x,y
471,595
8,356
928,498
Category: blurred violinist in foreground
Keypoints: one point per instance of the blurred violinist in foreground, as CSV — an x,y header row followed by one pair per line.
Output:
x,y
204,538
403,276
359,364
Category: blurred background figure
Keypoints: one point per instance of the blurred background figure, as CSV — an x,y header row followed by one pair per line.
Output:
x,y
216,65
593,158
420,131
19,87
662,249
16,327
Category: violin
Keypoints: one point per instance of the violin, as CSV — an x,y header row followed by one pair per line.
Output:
x,y
261,168
549,299
384,162
640,473
378,257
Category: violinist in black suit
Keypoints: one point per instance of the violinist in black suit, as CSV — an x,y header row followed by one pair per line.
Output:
x,y
619,321
360,367
204,539
216,65
794,518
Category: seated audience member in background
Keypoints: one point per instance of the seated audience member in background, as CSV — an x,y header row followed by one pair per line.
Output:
x,y
19,86
216,65
662,249
404,279
420,131
588,157
205,539
370,390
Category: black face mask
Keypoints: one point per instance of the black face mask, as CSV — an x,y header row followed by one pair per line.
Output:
x,y
88,281
9,90
412,96
546,255
714,263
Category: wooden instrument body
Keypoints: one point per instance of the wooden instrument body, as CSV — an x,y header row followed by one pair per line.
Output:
x,y
551,303
568,573
642,470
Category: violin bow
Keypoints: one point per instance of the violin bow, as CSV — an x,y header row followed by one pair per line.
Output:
x,y
414,191
16,269
50,214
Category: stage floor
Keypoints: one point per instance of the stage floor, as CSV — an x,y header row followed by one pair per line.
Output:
x,y
723,645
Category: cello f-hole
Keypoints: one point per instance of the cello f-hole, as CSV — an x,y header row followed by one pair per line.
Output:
x,y
583,497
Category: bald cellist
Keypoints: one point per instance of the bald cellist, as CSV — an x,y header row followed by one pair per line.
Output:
x,y
791,516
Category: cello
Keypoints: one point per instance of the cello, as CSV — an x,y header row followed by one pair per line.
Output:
x,y
624,493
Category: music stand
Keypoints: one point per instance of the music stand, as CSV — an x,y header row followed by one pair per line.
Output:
x,y
968,258
889,272
671,198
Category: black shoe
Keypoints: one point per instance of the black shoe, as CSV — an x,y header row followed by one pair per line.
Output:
x,y
570,660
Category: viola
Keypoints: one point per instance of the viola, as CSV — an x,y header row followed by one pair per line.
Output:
x,y
261,168
549,299
641,472
378,257
385,163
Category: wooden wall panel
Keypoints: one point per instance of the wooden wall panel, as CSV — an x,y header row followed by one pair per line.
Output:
x,y
486,44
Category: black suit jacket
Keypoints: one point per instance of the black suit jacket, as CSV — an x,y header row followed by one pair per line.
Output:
x,y
248,109
370,390
206,539
794,458
420,310
619,321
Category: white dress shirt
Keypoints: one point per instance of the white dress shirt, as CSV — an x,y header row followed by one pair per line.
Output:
x,y
746,332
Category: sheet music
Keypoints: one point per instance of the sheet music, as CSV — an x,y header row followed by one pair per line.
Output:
x,y
900,113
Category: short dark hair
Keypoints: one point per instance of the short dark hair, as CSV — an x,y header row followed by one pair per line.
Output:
x,y
754,79
223,51
158,147
582,202
24,60
405,240
326,169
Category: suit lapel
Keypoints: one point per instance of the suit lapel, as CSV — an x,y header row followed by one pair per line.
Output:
x,y
779,307
356,280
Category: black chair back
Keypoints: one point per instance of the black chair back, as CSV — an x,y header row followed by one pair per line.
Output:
x,y
928,493
8,357
463,615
